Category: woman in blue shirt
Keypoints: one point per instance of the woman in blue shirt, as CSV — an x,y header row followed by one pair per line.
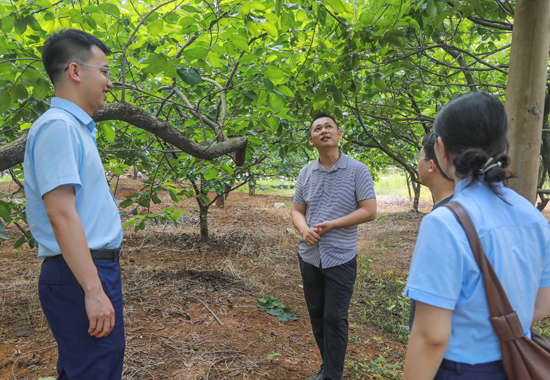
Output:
x,y
452,336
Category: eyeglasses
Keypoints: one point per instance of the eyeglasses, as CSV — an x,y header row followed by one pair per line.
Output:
x,y
106,69
417,157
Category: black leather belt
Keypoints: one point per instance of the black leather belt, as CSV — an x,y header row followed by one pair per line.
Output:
x,y
97,254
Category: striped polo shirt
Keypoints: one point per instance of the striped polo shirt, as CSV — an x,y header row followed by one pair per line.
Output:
x,y
329,195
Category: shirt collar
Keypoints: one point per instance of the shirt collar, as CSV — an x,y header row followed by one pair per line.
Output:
x,y
342,163
74,110
460,186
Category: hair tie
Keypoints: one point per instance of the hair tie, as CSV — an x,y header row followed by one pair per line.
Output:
x,y
488,167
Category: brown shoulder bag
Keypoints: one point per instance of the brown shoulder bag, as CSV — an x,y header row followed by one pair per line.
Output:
x,y
523,358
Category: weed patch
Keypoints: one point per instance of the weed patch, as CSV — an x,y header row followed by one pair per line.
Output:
x,y
377,369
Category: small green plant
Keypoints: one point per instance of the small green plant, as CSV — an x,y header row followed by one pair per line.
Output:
x,y
377,369
274,357
277,308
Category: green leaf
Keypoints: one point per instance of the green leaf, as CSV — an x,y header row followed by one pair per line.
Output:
x,y
19,92
275,102
269,86
7,24
278,4
337,5
5,101
379,82
155,27
251,94
46,378
130,222
110,8
227,169
285,91
195,53
241,45
90,9
41,90
117,170
3,231
108,132
210,174
20,26
270,29
431,9
189,75
274,73
31,21
19,242
5,213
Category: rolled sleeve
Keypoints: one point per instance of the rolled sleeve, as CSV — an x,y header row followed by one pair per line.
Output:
x,y
364,188
437,266
59,166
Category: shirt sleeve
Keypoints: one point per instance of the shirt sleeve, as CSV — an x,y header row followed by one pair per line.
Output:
x,y
298,194
437,266
364,188
57,156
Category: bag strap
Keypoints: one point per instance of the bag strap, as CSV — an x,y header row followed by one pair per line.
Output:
x,y
496,296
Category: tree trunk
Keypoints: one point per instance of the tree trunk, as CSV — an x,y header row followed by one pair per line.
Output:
x,y
135,173
203,222
221,201
416,187
525,92
251,189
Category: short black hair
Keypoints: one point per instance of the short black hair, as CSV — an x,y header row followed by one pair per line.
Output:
x,y
66,46
428,144
320,115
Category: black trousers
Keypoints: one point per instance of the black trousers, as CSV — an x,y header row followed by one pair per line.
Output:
x,y
328,294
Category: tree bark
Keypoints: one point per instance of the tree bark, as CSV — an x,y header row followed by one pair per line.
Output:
x,y
203,223
416,188
525,92
13,153
251,189
221,201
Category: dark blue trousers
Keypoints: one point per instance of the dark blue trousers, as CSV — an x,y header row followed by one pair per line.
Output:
x,y
81,356
450,370
328,294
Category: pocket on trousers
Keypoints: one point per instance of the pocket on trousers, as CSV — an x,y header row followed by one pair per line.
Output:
x,y
54,274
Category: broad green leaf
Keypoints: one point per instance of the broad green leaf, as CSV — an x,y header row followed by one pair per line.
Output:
x,y
5,213
195,53
117,170
7,24
337,5
241,45
41,90
278,7
33,23
186,21
19,92
19,242
255,140
90,9
3,235
286,91
130,222
227,169
251,94
5,101
431,9
108,132
189,75
110,8
270,29
379,82
20,25
269,86
275,102
155,27
210,174
274,73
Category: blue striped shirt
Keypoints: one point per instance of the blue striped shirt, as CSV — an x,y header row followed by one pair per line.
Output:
x,y
329,195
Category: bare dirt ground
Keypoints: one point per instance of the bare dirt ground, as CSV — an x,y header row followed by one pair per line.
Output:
x,y
191,310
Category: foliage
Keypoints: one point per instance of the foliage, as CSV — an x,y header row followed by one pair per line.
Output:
x,y
276,308
375,369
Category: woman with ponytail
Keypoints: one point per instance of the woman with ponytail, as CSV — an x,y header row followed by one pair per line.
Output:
x,y
452,337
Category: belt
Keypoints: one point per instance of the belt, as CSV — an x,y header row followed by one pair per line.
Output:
x,y
97,254
495,366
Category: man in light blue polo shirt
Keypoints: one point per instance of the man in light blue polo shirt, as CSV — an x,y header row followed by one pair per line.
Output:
x,y
333,195
73,215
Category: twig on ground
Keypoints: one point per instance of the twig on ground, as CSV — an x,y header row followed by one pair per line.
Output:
x,y
207,308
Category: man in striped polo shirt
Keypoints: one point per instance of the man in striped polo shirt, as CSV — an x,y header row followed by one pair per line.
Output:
x,y
333,195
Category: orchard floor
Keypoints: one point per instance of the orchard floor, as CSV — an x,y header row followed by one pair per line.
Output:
x,y
191,310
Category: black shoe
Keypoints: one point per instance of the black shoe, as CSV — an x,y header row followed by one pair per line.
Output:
x,y
319,376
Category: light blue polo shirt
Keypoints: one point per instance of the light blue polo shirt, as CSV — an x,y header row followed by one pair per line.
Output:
x,y
61,150
443,273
